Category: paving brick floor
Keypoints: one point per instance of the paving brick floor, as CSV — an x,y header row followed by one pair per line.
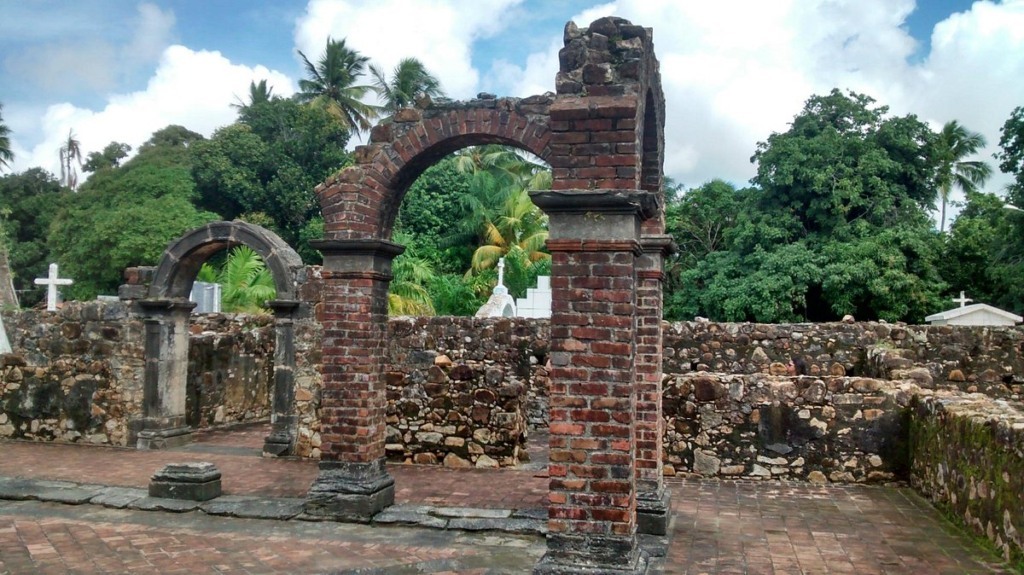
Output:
x,y
718,527
50,538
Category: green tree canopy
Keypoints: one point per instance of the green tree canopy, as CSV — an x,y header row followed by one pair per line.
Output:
x,y
30,200
269,162
837,223
110,157
950,149
126,216
1011,155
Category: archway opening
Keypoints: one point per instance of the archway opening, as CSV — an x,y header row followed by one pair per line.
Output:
x,y
199,381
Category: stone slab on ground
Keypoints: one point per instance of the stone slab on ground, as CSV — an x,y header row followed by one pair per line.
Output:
x,y
118,497
161,504
410,515
254,507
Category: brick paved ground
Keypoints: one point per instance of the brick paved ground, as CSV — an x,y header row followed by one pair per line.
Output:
x,y
244,472
49,538
717,527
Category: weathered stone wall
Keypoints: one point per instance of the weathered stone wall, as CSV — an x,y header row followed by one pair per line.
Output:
x,y
75,375
968,457
990,360
458,389
230,369
758,426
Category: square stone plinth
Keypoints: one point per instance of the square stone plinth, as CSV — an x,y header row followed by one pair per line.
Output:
x,y
192,481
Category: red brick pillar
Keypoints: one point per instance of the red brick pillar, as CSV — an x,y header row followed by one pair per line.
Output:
x,y
594,242
652,497
353,483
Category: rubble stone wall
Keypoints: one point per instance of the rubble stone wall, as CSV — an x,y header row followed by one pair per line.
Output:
x,y
968,458
838,429
458,389
985,359
74,375
77,374
230,369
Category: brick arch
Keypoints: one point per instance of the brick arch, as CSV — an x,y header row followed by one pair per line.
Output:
x,y
362,201
602,133
181,261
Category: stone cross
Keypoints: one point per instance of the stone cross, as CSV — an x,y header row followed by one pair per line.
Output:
x,y
51,282
962,300
500,289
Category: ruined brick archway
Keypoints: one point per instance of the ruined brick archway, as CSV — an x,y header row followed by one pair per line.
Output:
x,y
167,311
602,133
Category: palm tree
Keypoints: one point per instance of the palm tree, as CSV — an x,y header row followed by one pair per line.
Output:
x,y
6,155
409,82
499,173
70,152
521,227
258,94
953,144
332,84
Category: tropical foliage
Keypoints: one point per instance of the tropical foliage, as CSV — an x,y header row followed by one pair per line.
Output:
x,y
953,145
410,81
70,154
246,282
331,84
6,155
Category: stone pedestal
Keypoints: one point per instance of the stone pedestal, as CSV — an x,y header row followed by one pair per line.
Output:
x,y
350,491
592,555
162,433
190,481
653,510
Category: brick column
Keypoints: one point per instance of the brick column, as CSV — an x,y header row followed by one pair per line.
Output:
x,y
652,498
283,420
594,244
162,424
353,483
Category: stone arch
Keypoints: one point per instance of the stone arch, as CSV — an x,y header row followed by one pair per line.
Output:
x,y
167,312
182,259
602,133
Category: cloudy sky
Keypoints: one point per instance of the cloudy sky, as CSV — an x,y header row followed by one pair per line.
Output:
x,y
734,71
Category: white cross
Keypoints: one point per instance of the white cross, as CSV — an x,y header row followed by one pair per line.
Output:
x,y
962,300
51,282
501,272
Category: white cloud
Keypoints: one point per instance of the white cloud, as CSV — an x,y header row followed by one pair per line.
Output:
x,y
439,33
194,89
154,29
735,71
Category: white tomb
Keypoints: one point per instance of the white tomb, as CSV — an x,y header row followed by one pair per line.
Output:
x,y
537,302
5,344
206,295
500,304
976,314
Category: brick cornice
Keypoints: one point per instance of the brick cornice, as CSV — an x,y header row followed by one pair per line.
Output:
x,y
570,245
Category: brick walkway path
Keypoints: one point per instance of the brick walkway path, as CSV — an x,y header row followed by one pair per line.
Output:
x,y
717,527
